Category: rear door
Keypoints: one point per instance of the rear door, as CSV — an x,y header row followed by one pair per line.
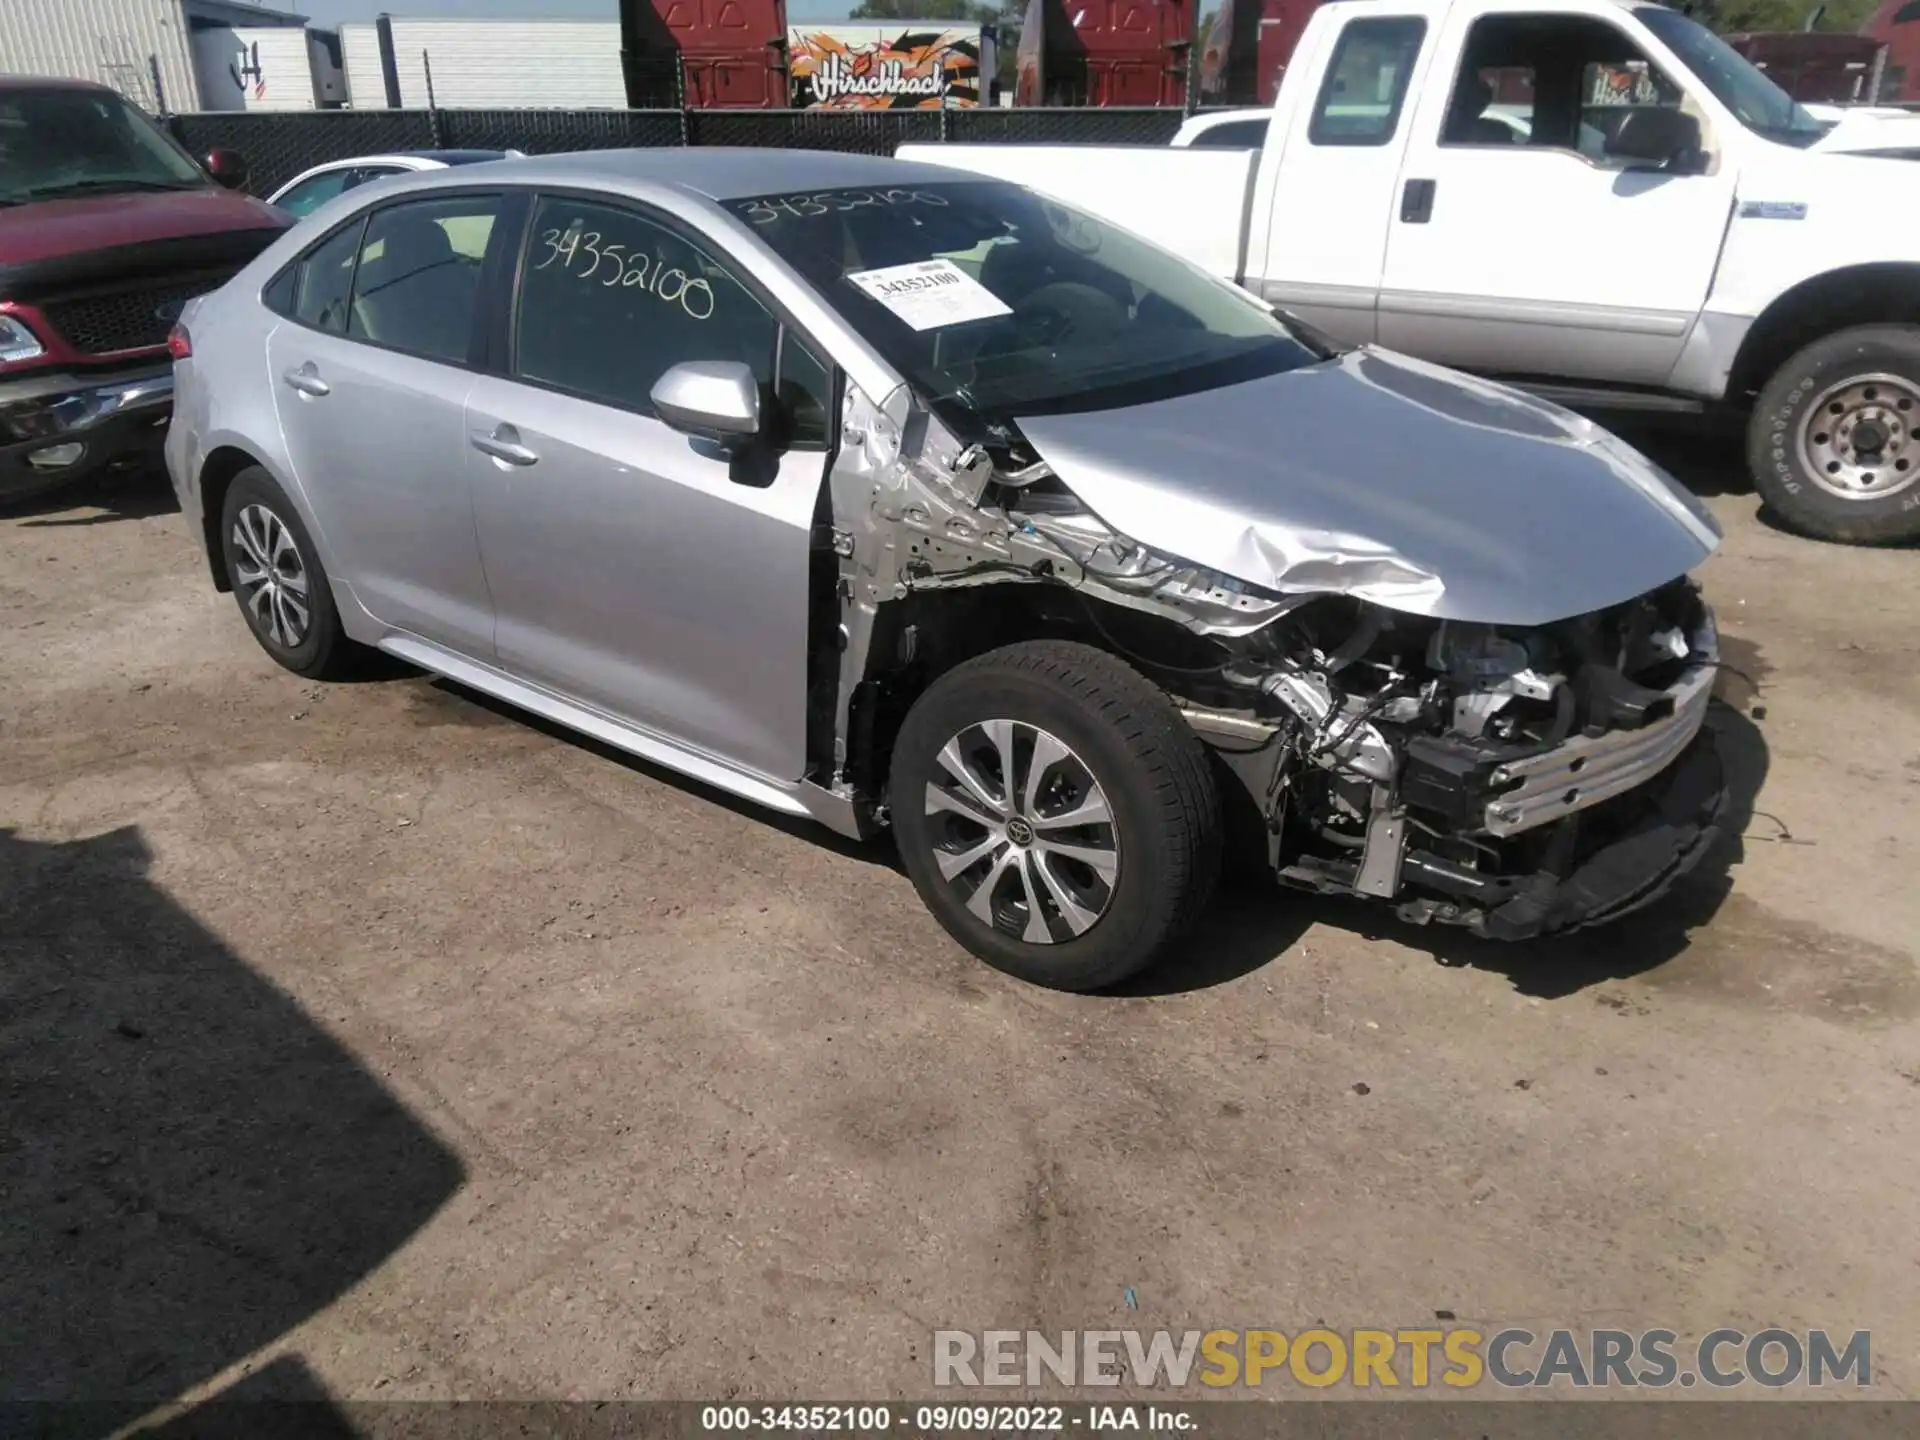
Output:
x,y
1535,252
634,569
1332,169
370,372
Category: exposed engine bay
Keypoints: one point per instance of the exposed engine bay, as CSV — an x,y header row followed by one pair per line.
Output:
x,y
1517,780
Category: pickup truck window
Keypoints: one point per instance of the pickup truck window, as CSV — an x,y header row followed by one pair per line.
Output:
x,y
1366,81
1549,81
1756,102
1233,135
997,302
56,143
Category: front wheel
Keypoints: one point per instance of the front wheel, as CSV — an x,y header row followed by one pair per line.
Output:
x,y
1832,443
1055,813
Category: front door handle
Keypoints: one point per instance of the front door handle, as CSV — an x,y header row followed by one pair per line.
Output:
x,y
503,443
307,380
1416,202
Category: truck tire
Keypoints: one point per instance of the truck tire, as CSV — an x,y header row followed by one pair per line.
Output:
x,y
277,577
1055,813
1833,443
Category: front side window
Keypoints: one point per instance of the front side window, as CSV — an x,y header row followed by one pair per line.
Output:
x,y
1366,82
1755,101
996,302
310,194
417,287
56,143
610,301
1549,81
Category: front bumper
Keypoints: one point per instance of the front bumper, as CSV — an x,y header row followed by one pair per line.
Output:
x,y
65,427
1649,841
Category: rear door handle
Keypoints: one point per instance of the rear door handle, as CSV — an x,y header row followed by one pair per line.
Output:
x,y
503,443
1416,202
307,380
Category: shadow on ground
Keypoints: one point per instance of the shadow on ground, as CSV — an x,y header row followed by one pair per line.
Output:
x,y
1252,925
190,1165
133,494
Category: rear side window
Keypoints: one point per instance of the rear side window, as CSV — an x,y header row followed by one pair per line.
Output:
x,y
609,301
417,286
1366,82
310,194
1233,135
325,286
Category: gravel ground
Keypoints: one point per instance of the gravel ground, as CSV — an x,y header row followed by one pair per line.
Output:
x,y
378,1036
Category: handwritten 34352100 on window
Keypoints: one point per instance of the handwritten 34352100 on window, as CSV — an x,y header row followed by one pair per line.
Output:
x,y
587,256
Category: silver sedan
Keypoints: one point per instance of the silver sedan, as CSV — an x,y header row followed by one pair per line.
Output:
x,y
904,499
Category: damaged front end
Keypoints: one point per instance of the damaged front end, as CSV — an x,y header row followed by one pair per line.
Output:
x,y
1514,779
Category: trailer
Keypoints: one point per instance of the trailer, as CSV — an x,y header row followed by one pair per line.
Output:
x,y
1104,52
249,67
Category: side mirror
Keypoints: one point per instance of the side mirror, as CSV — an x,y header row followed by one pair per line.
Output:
x,y
228,167
1656,135
714,400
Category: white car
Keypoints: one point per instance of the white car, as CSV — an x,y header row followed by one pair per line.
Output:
x,y
311,189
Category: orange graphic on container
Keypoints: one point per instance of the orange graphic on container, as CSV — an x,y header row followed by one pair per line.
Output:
x,y
914,70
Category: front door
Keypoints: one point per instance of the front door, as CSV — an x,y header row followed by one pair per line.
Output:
x,y
370,377
633,569
1520,246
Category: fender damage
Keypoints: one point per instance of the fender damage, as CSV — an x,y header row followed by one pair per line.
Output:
x,y
1481,702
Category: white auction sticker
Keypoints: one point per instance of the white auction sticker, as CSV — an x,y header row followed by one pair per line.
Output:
x,y
930,293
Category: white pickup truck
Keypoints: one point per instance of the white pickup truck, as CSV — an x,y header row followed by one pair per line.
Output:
x,y
1657,234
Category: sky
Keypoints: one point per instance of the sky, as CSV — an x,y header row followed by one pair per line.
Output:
x,y
333,12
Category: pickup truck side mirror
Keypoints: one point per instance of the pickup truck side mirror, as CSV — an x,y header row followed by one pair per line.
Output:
x,y
228,167
713,400
1657,135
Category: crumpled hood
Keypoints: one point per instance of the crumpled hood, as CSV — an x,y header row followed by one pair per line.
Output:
x,y
1385,478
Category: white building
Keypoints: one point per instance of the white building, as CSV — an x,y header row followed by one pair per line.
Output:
x,y
143,48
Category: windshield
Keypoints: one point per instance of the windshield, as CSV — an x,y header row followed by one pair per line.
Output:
x,y
1756,101
77,142
997,303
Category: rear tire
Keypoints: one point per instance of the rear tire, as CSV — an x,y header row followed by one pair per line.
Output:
x,y
1072,906
279,582
1832,443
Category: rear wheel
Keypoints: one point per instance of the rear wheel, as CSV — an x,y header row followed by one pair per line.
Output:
x,y
1833,444
279,582
1055,813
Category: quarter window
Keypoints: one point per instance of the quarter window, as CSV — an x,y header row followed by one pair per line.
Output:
x,y
1366,82
609,301
418,283
325,286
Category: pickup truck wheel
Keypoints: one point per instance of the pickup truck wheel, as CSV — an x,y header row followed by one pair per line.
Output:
x,y
278,580
1055,813
1833,443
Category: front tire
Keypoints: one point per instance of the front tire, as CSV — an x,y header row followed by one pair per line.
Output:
x,y
1832,443
1055,814
278,579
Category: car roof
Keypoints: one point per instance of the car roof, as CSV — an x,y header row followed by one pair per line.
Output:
x,y
723,172
50,82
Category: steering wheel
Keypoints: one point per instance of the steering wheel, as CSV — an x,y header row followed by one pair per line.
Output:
x,y
1064,310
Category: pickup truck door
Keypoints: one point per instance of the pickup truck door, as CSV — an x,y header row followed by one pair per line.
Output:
x,y
1325,191
1518,245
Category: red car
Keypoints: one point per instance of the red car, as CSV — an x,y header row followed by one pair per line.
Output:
x,y
107,228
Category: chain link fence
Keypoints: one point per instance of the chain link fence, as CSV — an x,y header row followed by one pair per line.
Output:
x,y
279,145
